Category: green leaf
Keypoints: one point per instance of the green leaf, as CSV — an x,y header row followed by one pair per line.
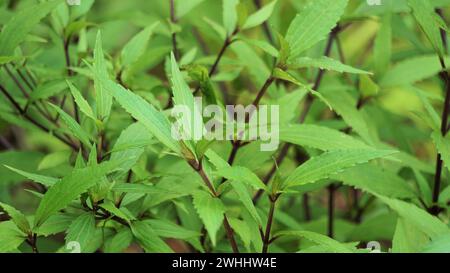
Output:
x,y
285,76
54,159
130,146
249,59
424,187
313,24
192,124
412,70
141,110
425,15
81,9
408,238
229,15
329,163
211,210
134,49
75,129
148,239
119,242
345,105
324,63
44,180
48,89
81,101
367,87
445,195
374,179
243,230
76,27
8,59
184,7
242,174
111,208
69,188
56,223
10,237
220,30
216,160
102,97
168,229
140,188
423,221
322,240
24,21
443,146
200,74
263,45
284,49
319,137
288,102
260,16
439,245
246,199
82,230
17,217
435,120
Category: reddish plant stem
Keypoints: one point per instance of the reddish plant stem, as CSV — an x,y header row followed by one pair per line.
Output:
x,y
435,209
331,188
234,150
230,234
228,41
439,162
266,239
32,241
263,91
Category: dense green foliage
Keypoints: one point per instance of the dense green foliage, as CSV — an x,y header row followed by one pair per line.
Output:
x,y
88,161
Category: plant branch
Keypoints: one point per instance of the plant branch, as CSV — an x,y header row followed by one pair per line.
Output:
x,y
266,239
228,41
435,210
32,241
331,188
